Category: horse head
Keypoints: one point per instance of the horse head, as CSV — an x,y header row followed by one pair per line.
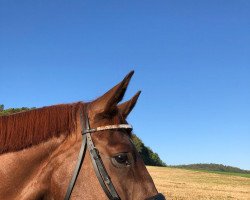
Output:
x,y
44,170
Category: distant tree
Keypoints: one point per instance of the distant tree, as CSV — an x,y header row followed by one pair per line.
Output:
x,y
12,110
213,167
148,156
1,107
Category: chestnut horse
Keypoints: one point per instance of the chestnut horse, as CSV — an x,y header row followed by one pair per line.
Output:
x,y
39,152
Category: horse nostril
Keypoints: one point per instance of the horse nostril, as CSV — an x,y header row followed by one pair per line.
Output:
x,y
159,196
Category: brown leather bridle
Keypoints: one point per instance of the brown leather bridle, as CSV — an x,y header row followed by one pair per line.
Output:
x,y
100,171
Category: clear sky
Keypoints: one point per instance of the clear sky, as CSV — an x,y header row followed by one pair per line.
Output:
x,y
191,61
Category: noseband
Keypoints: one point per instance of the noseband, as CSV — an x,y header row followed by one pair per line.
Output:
x,y
100,171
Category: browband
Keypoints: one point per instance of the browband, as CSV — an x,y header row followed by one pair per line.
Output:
x,y
108,127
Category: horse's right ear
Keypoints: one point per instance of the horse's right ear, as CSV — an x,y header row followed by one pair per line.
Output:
x,y
126,107
108,102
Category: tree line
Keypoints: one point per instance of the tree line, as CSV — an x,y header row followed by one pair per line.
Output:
x,y
213,167
148,155
12,110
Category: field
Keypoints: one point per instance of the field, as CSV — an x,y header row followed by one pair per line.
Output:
x,y
188,184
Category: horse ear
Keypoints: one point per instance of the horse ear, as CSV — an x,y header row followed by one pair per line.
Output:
x,y
126,107
108,102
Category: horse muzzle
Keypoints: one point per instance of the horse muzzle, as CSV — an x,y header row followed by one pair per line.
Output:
x,y
159,196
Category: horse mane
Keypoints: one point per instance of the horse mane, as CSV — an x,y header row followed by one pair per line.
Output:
x,y
25,129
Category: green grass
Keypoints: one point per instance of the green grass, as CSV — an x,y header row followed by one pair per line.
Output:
x,y
219,172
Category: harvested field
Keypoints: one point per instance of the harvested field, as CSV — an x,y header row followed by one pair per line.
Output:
x,y
187,184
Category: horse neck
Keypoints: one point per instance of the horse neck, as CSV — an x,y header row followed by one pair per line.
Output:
x,y
20,170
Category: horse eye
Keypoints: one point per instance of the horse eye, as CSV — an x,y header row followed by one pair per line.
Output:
x,y
121,160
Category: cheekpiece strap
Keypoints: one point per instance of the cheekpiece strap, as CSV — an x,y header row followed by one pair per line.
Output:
x,y
108,127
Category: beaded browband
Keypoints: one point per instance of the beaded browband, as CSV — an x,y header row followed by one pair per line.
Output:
x,y
108,127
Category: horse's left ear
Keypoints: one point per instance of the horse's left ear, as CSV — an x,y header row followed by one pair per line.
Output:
x,y
126,107
108,102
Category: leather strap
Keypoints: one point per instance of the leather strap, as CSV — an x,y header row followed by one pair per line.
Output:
x,y
100,171
78,164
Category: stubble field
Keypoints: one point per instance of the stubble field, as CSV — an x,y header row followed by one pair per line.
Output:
x,y
187,184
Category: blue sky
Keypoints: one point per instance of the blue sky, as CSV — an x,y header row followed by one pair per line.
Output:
x,y
191,61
